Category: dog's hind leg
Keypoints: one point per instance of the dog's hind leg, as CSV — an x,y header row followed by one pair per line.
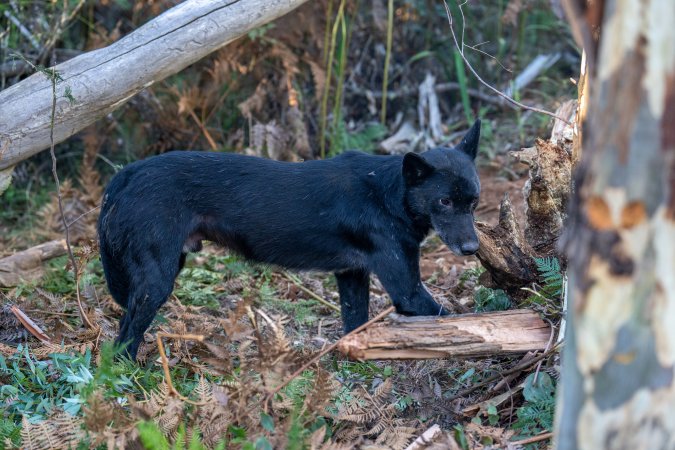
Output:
x,y
354,297
151,286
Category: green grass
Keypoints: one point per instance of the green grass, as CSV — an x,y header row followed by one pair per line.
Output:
x,y
464,86
365,140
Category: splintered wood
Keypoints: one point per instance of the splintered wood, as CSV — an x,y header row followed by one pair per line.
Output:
x,y
26,265
464,336
507,250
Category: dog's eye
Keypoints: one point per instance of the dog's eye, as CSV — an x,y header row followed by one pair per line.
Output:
x,y
446,202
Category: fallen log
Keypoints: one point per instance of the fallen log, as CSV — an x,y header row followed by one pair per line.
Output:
x,y
463,336
95,83
26,265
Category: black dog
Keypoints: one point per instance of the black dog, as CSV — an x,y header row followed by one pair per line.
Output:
x,y
352,215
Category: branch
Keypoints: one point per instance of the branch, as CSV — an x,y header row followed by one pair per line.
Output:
x,y
439,88
54,78
26,265
460,48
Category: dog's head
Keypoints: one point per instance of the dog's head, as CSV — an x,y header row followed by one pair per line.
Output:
x,y
443,187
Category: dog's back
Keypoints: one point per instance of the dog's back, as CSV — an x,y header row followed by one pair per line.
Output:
x,y
298,215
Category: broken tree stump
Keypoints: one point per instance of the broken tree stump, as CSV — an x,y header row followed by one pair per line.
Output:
x,y
507,251
505,254
463,336
26,265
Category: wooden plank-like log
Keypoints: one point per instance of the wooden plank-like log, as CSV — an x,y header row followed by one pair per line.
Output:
x,y
101,80
463,336
26,265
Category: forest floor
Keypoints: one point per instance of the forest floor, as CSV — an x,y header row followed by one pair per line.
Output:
x,y
259,323
306,86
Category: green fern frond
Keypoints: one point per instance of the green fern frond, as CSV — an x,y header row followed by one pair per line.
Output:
x,y
549,267
551,275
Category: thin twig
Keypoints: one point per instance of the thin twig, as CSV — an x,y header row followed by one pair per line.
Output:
x,y
54,78
51,313
537,438
165,362
55,34
313,294
328,349
476,49
439,88
548,345
518,367
72,222
460,47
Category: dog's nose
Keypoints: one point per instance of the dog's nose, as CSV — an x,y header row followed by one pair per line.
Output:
x,y
469,248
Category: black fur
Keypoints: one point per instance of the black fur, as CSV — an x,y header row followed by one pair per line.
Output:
x,y
353,215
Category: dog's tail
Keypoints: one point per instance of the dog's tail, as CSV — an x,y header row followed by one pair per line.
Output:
x,y
110,238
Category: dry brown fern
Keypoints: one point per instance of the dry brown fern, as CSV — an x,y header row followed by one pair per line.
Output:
x,y
80,204
107,422
318,441
211,416
59,431
75,212
276,357
375,415
90,179
323,391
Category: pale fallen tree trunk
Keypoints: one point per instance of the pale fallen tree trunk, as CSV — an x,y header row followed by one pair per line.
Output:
x,y
26,265
101,80
464,336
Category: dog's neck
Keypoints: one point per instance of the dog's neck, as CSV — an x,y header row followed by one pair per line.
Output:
x,y
393,194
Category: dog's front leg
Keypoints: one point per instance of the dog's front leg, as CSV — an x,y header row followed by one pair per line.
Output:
x,y
399,273
354,297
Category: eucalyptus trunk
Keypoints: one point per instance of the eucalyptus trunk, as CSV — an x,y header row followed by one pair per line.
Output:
x,y
618,387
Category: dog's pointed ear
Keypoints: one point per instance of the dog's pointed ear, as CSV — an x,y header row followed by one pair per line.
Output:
x,y
469,144
415,169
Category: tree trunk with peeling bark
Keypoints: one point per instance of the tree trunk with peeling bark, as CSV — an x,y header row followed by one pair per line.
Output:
x,y
618,375
100,81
